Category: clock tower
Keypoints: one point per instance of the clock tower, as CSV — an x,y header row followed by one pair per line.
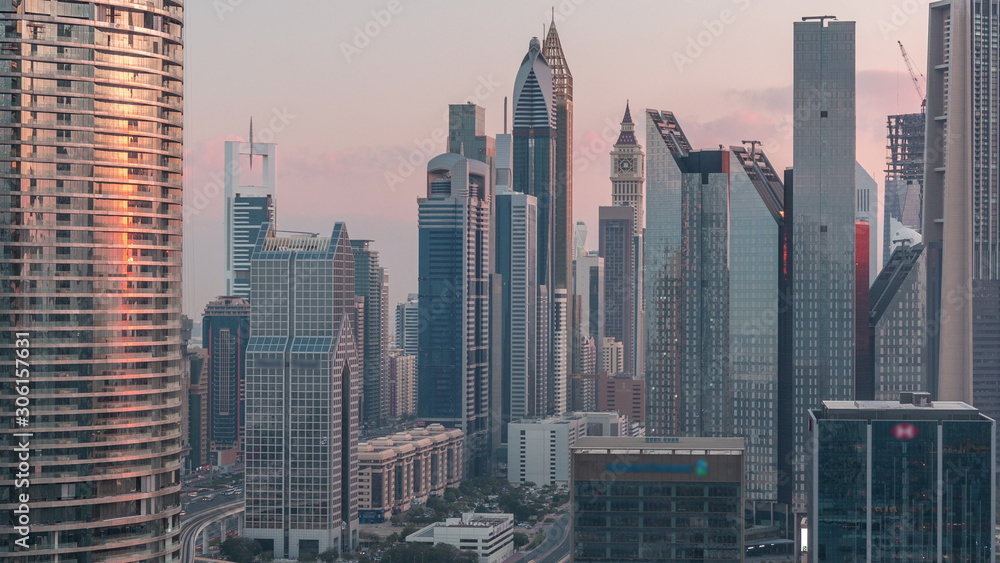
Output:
x,y
628,171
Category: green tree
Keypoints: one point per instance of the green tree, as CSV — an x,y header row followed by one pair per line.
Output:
x,y
307,557
329,556
520,538
240,550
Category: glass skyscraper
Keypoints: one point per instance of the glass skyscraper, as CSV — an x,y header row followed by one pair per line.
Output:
x,y
303,393
225,334
617,246
901,481
665,142
822,217
454,302
517,221
91,207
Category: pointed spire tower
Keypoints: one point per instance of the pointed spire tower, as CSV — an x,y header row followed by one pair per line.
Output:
x,y
628,176
562,89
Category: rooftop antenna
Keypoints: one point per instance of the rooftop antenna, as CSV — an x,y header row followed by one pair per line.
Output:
x,y
251,142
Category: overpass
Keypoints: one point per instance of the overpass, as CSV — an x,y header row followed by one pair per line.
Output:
x,y
197,526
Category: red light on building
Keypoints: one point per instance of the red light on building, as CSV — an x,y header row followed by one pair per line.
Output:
x,y
904,431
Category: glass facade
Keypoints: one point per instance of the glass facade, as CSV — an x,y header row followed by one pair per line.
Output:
x,y
901,482
617,247
303,392
822,213
665,141
90,263
454,287
226,332
636,500
515,243
755,210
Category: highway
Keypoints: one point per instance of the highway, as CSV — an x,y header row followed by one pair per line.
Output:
x,y
196,521
555,547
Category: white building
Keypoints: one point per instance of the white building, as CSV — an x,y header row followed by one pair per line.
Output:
x,y
250,203
490,536
538,450
612,356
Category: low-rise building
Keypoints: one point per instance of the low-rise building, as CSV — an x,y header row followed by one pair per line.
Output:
x,y
397,471
538,450
490,536
657,499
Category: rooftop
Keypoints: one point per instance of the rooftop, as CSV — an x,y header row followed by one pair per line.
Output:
x,y
894,410
703,446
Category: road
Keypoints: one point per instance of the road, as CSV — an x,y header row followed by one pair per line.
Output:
x,y
198,518
555,547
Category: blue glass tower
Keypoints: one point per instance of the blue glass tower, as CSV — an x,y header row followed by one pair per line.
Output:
x,y
225,333
454,302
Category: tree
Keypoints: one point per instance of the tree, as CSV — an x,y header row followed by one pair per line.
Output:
x,y
520,538
329,556
240,550
307,557
407,530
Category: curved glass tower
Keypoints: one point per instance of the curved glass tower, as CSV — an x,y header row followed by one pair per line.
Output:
x,y
91,205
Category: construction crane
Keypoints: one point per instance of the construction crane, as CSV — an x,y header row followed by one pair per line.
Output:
x,y
913,75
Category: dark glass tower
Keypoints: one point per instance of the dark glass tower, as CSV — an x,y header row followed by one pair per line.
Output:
x,y
90,268
534,136
454,302
225,333
901,481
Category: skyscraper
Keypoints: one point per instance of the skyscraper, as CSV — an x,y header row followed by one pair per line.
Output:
x,y
303,391
628,171
534,147
370,284
588,278
517,221
408,324
250,203
961,218
665,143
904,176
756,216
226,333
617,247
562,225
822,215
454,289
91,208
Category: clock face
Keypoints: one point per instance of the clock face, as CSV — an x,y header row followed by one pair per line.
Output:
x,y
625,165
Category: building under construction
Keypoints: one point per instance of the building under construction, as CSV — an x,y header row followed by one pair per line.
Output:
x,y
904,176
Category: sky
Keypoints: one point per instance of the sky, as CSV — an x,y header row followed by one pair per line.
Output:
x,y
354,93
